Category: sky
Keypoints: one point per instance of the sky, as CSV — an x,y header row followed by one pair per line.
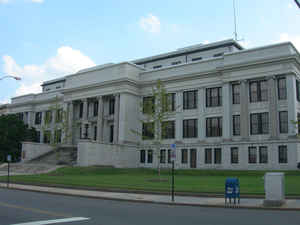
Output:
x,y
46,39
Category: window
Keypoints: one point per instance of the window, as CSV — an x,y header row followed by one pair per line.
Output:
x,y
48,117
258,91
157,66
38,118
263,154
282,154
218,155
190,99
111,133
58,115
80,109
236,93
213,97
96,104
234,155
20,116
142,156
95,133
162,156
57,136
218,54
176,63
196,59
148,131
208,156
184,156
298,90
58,87
298,123
38,137
282,94
283,122
169,156
111,105
236,131
47,136
168,130
150,156
169,102
259,123
214,127
148,105
190,128
252,155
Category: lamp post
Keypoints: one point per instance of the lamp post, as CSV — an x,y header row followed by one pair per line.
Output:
x,y
10,76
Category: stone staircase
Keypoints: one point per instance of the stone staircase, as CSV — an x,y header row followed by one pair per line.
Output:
x,y
26,168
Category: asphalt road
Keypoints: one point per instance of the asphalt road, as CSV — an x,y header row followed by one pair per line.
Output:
x,y
18,207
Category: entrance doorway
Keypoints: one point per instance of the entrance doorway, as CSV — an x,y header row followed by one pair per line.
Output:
x,y
193,158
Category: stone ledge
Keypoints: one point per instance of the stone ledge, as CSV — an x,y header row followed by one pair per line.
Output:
x,y
273,203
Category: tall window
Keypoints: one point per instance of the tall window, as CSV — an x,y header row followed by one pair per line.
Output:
x,y
38,137
169,156
283,122
57,136
298,90
38,118
218,156
96,105
47,136
162,156
214,127
48,117
148,131
148,104
168,129
184,156
190,128
252,155
95,133
282,94
111,133
263,154
259,123
258,91
80,109
236,131
213,97
236,93
190,99
150,156
208,155
111,105
169,102
298,124
234,155
142,156
282,154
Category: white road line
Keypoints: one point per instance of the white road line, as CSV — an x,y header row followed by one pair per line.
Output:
x,y
43,222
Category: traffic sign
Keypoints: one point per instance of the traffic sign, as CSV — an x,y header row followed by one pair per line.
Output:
x,y
8,158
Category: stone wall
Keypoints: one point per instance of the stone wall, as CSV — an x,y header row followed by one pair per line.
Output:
x,y
120,156
31,150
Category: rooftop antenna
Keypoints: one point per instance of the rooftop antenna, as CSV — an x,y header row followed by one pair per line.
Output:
x,y
234,16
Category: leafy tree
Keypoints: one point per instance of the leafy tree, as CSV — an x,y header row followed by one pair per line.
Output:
x,y
155,110
13,132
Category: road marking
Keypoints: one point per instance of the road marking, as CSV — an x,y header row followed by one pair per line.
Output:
x,y
44,222
34,210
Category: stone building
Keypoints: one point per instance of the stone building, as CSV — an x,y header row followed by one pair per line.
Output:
x,y
234,108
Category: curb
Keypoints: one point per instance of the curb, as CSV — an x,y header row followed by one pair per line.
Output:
x,y
159,202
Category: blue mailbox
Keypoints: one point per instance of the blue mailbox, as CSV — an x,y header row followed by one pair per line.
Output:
x,y
232,190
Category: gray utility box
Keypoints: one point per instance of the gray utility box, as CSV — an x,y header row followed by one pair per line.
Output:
x,y
274,189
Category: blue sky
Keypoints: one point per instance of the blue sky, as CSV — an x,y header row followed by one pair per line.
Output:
x,y
45,39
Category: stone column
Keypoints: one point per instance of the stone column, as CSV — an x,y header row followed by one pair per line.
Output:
x,y
179,116
70,122
85,105
273,112
227,111
201,118
244,117
100,120
116,118
292,103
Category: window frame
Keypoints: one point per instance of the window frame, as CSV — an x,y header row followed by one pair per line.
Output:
x,y
214,97
283,122
214,131
190,128
261,91
168,129
190,99
262,126
234,155
184,156
282,154
263,154
148,133
281,88
236,125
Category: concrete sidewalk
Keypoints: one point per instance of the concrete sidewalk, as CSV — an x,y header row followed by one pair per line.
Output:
x,y
255,203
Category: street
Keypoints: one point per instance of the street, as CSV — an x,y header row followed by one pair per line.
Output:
x,y
20,207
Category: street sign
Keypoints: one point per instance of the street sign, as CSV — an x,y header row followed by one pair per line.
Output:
x,y
173,152
8,158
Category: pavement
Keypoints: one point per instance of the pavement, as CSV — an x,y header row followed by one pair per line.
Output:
x,y
248,203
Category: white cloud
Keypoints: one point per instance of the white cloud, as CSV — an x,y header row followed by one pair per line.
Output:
x,y
4,1
9,1
37,1
66,61
150,24
295,39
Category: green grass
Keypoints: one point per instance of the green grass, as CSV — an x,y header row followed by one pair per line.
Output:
x,y
196,181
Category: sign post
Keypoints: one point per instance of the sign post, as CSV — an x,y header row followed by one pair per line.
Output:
x,y
173,158
8,161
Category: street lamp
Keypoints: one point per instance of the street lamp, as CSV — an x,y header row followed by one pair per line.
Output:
x,y
14,77
298,3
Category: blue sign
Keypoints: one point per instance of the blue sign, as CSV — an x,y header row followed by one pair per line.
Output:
x,y
8,158
173,146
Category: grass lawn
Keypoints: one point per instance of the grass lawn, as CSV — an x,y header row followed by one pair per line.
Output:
x,y
197,181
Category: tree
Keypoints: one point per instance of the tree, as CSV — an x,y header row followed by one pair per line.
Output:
x,y
12,132
155,110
